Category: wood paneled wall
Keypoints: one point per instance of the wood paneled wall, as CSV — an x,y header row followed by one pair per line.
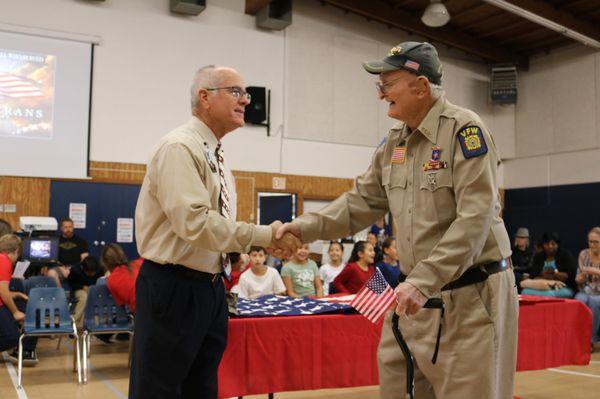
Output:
x,y
32,195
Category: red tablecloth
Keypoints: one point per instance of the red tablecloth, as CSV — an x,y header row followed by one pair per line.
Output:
x,y
277,354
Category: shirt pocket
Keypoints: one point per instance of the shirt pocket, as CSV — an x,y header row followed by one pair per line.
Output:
x,y
393,179
437,188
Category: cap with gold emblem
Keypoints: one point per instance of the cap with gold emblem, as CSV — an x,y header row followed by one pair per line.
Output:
x,y
416,57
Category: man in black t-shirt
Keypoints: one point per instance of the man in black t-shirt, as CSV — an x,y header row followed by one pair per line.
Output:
x,y
72,249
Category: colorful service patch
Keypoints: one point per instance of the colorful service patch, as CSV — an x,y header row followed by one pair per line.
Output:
x,y
399,155
434,163
472,142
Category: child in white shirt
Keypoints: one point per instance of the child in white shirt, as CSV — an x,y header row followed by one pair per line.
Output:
x,y
329,271
260,280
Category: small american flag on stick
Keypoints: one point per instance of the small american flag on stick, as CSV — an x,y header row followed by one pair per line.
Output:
x,y
374,298
14,86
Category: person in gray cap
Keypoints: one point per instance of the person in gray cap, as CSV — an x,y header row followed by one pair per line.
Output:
x,y
522,254
437,175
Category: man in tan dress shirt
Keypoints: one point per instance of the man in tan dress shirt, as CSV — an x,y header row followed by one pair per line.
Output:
x,y
437,175
185,220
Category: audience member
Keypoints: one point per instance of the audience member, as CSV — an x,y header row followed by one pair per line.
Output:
x,y
13,304
522,254
555,267
5,227
260,279
329,271
301,275
358,270
81,276
239,264
72,249
123,275
588,279
372,239
389,266
381,229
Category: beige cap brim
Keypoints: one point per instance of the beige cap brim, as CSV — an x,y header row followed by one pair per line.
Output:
x,y
377,67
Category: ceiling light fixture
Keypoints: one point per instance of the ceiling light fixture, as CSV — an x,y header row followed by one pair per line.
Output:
x,y
436,14
580,37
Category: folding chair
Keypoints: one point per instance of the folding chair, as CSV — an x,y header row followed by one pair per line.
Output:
x,y
47,314
103,316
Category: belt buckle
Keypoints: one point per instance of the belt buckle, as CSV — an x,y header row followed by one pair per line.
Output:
x,y
214,277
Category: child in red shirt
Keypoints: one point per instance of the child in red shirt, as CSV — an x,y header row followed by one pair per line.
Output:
x,y
123,274
358,270
13,304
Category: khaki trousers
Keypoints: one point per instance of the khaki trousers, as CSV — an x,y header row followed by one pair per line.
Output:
x,y
478,349
81,296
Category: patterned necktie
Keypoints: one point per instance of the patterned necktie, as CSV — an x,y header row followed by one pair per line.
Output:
x,y
223,204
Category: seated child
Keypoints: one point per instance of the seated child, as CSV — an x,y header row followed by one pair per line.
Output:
x,y
123,274
329,271
13,304
260,279
239,264
301,275
358,270
83,275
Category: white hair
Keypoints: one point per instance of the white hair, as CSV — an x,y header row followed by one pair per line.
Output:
x,y
436,90
205,78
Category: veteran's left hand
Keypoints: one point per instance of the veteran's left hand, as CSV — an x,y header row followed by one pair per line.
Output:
x,y
410,300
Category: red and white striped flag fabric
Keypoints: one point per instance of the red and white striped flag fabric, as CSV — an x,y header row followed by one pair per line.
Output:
x,y
374,298
18,87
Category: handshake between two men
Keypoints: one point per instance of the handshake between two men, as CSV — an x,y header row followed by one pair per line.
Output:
x,y
286,239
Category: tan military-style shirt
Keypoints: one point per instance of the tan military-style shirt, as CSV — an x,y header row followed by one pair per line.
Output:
x,y
177,218
441,190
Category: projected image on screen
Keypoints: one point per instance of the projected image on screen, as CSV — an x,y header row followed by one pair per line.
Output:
x,y
40,249
26,94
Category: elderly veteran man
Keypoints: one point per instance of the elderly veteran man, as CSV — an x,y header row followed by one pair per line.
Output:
x,y
436,173
185,224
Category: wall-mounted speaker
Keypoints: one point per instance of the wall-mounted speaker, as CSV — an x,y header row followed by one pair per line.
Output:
x,y
257,112
188,7
276,15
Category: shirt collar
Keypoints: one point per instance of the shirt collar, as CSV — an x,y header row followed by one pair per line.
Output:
x,y
207,136
429,125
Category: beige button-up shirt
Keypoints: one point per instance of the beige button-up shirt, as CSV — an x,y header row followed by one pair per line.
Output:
x,y
177,218
448,216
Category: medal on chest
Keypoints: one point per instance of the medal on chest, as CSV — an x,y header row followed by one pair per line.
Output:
x,y
434,163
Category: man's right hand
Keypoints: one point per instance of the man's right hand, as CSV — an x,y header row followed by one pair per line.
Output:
x,y
283,244
19,316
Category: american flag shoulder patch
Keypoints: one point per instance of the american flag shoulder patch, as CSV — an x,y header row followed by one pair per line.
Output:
x,y
399,154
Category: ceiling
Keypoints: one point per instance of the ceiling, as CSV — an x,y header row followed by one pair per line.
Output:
x,y
479,28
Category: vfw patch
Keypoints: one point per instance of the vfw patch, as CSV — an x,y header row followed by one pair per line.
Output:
x,y
472,142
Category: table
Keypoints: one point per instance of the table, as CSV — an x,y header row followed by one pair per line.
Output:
x,y
277,354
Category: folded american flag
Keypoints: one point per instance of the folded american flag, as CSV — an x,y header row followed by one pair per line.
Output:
x,y
271,305
374,298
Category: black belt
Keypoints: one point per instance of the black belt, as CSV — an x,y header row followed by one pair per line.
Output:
x,y
194,274
478,274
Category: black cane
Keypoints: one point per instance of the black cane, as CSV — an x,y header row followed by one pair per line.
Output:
x,y
433,303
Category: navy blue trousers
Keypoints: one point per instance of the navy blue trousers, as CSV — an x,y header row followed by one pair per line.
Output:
x,y
9,329
180,335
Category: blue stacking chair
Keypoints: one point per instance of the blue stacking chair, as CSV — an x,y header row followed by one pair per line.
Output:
x,y
38,282
16,285
103,316
47,314
101,281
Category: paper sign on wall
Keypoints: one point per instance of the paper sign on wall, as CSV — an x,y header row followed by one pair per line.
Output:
x,y
124,230
77,213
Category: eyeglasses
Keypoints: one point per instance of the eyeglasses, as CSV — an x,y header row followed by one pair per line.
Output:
x,y
235,91
593,242
383,87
